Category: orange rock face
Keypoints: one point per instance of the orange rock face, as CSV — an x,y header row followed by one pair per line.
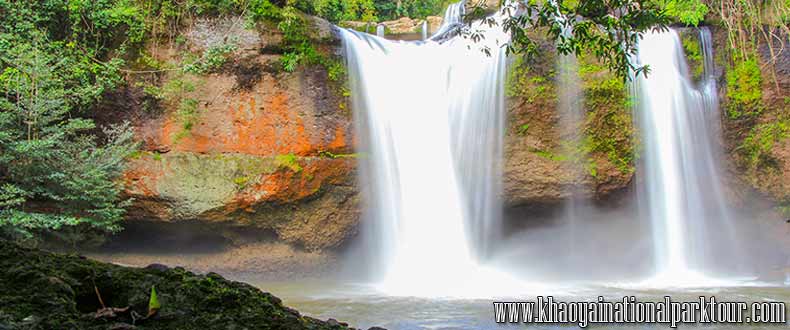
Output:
x,y
262,157
273,119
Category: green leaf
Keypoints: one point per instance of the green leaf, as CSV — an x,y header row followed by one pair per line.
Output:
x,y
153,303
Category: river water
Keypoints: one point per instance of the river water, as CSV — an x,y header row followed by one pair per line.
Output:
x,y
361,306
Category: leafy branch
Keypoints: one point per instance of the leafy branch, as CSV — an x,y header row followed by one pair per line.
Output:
x,y
609,29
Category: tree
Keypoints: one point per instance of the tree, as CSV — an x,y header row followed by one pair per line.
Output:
x,y
54,172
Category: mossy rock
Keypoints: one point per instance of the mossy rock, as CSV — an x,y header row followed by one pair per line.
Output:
x,y
43,290
693,50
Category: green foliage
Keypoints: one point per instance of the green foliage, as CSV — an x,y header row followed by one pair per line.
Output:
x,y
298,46
177,93
784,208
608,29
241,182
390,10
329,154
693,52
263,10
339,10
592,167
177,87
53,171
549,155
336,71
609,127
212,59
757,147
581,155
290,61
300,49
288,161
744,88
51,28
188,115
370,10
576,153
166,13
524,80
153,91
153,302
690,12
522,130
516,81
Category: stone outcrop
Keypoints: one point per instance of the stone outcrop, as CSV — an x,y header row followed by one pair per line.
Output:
x,y
259,148
759,145
42,290
532,176
775,181
403,25
548,159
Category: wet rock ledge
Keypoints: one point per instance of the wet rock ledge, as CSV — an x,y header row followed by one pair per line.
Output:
x,y
42,290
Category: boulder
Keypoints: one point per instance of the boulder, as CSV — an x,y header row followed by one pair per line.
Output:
x,y
42,290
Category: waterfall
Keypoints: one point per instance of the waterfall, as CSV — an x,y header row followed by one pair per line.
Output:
x,y
570,107
680,192
453,18
430,118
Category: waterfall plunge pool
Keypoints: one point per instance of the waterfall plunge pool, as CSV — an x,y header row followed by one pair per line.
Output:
x,y
363,307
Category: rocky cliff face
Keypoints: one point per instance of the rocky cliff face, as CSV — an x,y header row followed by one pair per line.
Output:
x,y
550,155
274,150
259,147
757,143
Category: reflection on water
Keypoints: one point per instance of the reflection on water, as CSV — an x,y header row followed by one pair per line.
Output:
x,y
362,307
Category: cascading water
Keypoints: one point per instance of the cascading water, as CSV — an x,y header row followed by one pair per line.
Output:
x,y
571,119
433,147
453,18
681,193
571,115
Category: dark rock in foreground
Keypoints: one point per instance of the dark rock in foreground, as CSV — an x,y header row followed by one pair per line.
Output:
x,y
42,290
